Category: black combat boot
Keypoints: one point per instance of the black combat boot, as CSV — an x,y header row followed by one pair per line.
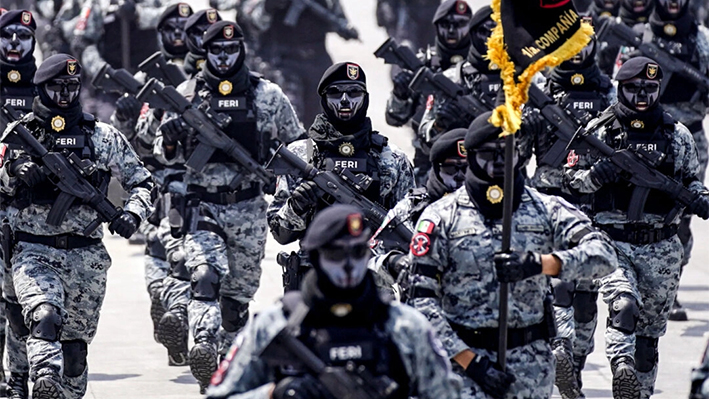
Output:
x,y
565,376
203,361
579,363
677,313
47,387
17,386
173,333
3,381
156,308
625,380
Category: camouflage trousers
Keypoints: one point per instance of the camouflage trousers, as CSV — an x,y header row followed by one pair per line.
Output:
x,y
533,366
575,328
236,259
685,233
650,274
156,266
73,281
16,340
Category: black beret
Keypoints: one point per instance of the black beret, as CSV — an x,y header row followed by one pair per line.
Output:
x,y
641,67
348,72
449,145
337,222
57,65
222,30
481,15
180,10
209,15
480,132
22,17
458,6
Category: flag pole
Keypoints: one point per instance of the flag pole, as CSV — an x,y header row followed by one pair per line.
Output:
x,y
507,208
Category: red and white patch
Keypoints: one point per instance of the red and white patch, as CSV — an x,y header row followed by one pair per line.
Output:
x,y
552,3
83,18
3,148
420,244
429,102
572,159
218,375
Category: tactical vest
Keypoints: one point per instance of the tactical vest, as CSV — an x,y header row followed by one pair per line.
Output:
x,y
485,86
19,97
142,43
78,141
616,196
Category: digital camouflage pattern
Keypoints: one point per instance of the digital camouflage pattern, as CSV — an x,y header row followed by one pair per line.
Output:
x,y
246,376
461,246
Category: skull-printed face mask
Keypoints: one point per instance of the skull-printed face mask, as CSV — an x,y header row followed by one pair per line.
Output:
x,y
606,4
452,172
345,100
636,6
223,56
673,7
584,54
640,94
16,42
344,265
452,29
194,35
173,36
489,160
63,90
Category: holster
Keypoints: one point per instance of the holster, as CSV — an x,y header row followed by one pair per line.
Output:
x,y
6,242
549,319
183,214
291,265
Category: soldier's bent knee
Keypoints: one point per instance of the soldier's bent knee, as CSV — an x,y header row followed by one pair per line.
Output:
x,y
13,313
585,308
646,354
624,313
563,292
234,314
75,353
205,283
46,322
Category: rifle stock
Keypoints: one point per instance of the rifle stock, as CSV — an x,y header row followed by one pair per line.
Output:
x,y
156,66
394,53
116,81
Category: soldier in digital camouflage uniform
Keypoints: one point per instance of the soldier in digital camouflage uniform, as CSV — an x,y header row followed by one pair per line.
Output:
x,y
640,292
408,21
341,134
447,174
457,268
226,238
452,21
59,273
340,317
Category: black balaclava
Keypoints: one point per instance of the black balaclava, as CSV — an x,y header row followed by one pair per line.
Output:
x,y
635,11
195,27
605,8
19,67
351,77
485,183
639,73
224,43
453,19
450,145
581,73
674,26
480,30
51,115
171,30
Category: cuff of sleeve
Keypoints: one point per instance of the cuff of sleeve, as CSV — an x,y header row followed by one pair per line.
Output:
x,y
564,273
136,209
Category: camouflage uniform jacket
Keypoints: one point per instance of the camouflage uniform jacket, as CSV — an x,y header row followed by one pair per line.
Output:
x,y
462,246
249,377
276,120
113,154
685,163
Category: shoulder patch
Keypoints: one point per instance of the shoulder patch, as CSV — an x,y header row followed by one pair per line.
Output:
x,y
420,244
426,226
429,102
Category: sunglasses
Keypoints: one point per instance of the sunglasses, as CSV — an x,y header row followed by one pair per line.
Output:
x,y
59,85
451,168
338,91
229,48
490,154
21,35
636,87
340,253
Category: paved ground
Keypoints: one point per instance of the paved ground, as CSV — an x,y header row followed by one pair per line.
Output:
x,y
125,362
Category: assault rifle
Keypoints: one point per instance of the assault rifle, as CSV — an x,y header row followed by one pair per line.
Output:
x,y
394,53
342,186
565,126
116,81
639,167
209,130
156,66
348,382
66,171
613,31
341,26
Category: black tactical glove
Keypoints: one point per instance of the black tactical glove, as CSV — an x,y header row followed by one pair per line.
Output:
x,y
304,197
27,171
700,207
490,376
401,84
452,115
125,225
517,266
604,172
395,264
272,6
128,108
173,131
305,387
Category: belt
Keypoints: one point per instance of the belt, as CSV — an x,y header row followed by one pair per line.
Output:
x,y
225,197
640,234
489,338
63,241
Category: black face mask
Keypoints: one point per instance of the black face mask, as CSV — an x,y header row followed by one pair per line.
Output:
x,y
638,7
63,91
639,94
452,173
480,33
607,5
452,30
194,38
225,57
16,43
671,9
345,105
172,36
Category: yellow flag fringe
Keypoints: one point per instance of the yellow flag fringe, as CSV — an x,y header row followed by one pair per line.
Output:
x,y
509,115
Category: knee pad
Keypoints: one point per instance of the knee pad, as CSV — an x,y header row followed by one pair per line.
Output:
x,y
46,322
234,314
563,293
646,353
75,353
205,283
155,249
179,270
624,313
13,313
585,308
